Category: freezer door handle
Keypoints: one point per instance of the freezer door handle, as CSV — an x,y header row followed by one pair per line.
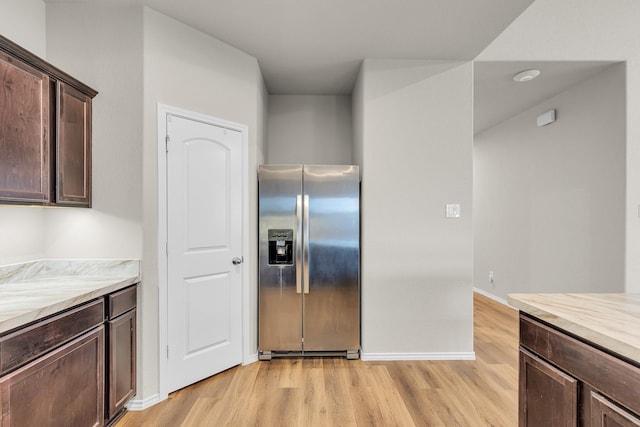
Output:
x,y
305,243
298,243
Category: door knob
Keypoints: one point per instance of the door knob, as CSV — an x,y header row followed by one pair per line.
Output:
x,y
237,260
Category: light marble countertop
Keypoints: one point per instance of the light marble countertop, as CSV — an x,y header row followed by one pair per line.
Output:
x,y
611,321
33,290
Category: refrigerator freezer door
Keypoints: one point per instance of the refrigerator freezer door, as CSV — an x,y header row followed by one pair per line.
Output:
x,y
280,300
332,305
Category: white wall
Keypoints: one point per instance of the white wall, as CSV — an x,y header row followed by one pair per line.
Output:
x,y
263,125
357,107
416,143
21,231
309,129
549,202
23,22
585,30
82,41
190,70
22,228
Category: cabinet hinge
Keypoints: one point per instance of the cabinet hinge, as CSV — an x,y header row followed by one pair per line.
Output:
x,y
166,143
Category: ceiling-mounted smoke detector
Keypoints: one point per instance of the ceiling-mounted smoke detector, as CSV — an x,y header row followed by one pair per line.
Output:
x,y
526,76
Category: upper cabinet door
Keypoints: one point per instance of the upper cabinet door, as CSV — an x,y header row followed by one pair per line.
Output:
x,y
24,133
73,147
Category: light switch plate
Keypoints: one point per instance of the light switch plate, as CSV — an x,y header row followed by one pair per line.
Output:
x,y
453,211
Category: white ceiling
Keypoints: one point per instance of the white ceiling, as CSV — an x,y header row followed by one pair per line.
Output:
x,y
316,47
497,97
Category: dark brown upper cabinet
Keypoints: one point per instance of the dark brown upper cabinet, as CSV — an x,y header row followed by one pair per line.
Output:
x,y
45,132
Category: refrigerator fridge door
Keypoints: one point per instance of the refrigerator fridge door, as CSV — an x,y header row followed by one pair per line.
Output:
x,y
280,270
331,258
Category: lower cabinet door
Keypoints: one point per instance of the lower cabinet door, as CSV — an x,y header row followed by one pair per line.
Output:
x,y
548,396
122,361
63,388
605,413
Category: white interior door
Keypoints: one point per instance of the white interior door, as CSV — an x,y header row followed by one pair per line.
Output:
x,y
204,214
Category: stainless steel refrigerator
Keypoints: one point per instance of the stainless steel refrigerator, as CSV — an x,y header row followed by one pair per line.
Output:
x,y
309,290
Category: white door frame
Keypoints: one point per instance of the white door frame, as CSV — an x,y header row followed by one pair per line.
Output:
x,y
163,110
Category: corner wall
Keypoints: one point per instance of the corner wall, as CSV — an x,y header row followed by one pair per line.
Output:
x,y
549,202
587,30
190,70
416,149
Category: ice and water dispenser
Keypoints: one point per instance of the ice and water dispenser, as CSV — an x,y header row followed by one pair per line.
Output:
x,y
280,247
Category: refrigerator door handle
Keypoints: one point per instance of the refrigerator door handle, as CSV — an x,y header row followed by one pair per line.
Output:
x,y
305,243
298,240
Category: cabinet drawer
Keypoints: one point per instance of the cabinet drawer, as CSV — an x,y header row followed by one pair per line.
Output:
x,y
122,301
618,379
26,344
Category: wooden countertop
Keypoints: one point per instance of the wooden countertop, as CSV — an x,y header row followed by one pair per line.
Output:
x,y
611,321
34,290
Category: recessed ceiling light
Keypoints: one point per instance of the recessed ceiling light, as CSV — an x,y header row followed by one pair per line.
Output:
x,y
526,76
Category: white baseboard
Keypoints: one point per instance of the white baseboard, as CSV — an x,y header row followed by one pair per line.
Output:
x,y
250,359
493,297
142,404
418,356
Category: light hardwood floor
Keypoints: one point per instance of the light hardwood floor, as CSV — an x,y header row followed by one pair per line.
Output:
x,y
336,392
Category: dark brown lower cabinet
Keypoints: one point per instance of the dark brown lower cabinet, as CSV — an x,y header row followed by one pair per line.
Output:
x,y
63,388
122,362
566,381
76,368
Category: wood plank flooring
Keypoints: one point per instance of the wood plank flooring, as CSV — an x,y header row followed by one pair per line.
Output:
x,y
336,392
